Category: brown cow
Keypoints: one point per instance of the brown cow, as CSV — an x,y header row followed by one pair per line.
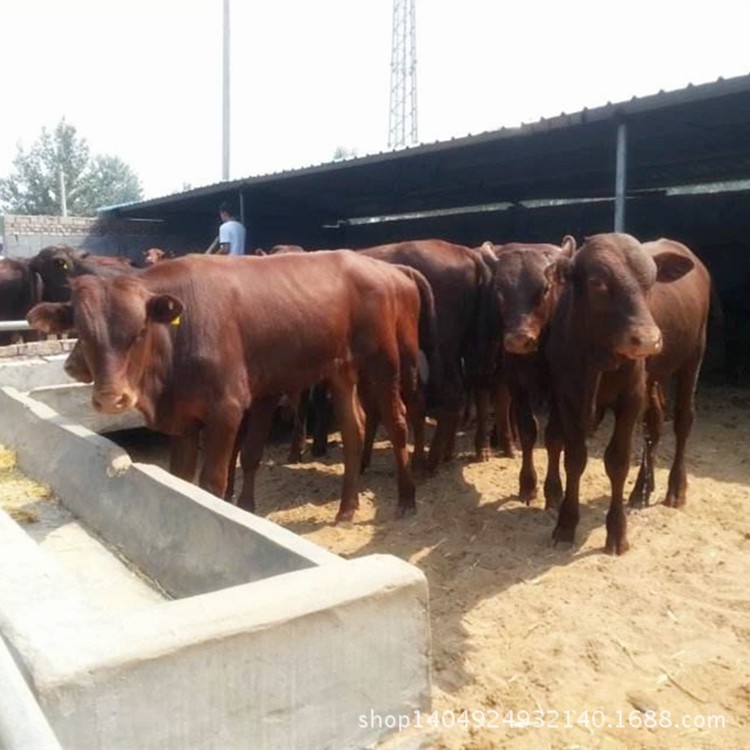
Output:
x,y
153,255
680,309
601,334
526,289
460,280
20,290
196,343
58,264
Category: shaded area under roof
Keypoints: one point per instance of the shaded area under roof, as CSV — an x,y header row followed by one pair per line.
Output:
x,y
694,135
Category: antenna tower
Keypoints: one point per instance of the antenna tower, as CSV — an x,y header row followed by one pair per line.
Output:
x,y
402,126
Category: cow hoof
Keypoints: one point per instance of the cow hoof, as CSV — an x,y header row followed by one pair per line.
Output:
x,y
483,455
563,535
294,458
344,516
526,496
616,547
672,501
404,511
508,452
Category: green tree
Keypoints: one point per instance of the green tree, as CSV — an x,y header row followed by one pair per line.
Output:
x,y
63,157
343,152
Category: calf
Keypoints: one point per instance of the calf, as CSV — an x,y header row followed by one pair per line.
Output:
x,y
202,342
601,334
526,286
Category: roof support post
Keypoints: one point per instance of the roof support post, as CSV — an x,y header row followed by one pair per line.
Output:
x,y
620,176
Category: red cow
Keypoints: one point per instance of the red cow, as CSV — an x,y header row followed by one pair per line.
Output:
x,y
601,334
196,343
526,288
460,281
153,255
58,264
680,309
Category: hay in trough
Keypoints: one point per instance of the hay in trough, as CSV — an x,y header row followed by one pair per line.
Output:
x,y
18,494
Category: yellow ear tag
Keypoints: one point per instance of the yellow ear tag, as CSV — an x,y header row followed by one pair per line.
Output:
x,y
176,321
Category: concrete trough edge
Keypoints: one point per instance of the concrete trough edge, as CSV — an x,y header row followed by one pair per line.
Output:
x,y
23,725
176,533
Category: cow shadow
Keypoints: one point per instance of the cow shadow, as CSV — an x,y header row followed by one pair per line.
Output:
x,y
470,548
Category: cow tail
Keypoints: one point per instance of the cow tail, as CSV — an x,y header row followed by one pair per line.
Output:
x,y
486,326
428,334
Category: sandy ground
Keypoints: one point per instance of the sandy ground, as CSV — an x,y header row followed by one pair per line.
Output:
x,y
565,634
581,641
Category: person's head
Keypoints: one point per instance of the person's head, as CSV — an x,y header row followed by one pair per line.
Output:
x,y
226,212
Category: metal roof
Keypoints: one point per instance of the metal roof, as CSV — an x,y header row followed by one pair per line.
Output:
x,y
694,135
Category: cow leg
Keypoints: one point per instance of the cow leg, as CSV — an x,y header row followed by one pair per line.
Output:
x,y
372,421
393,412
482,450
443,439
299,432
259,418
617,464
576,456
684,416
503,420
415,414
319,403
219,437
238,441
351,420
528,428
653,426
183,454
553,442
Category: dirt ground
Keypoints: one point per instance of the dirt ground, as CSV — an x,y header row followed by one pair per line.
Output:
x,y
581,641
565,634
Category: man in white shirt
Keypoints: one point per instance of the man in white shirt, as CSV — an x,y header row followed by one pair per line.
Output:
x,y
231,232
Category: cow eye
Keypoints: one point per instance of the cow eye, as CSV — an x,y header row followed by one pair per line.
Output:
x,y
597,284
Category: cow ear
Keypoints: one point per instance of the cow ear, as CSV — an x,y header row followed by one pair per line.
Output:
x,y
672,266
558,272
163,308
51,317
568,246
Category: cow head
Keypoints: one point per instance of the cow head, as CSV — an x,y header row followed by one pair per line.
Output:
x,y
153,255
527,281
55,265
121,328
612,275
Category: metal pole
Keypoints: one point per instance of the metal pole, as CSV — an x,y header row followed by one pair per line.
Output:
x,y
620,177
225,97
63,197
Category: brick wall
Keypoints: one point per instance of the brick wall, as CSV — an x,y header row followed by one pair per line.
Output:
x,y
24,236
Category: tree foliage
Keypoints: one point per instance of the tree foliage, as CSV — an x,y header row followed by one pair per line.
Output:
x,y
34,186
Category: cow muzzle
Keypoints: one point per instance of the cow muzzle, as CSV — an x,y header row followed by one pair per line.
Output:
x,y
520,343
112,401
641,341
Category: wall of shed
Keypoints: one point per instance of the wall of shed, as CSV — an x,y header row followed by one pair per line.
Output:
x,y
24,236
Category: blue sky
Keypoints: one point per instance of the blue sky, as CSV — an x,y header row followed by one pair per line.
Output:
x,y
142,78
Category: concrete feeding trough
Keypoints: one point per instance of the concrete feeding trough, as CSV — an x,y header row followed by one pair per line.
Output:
x,y
234,632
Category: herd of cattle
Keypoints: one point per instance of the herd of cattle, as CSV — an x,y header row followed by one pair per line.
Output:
x,y
206,347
